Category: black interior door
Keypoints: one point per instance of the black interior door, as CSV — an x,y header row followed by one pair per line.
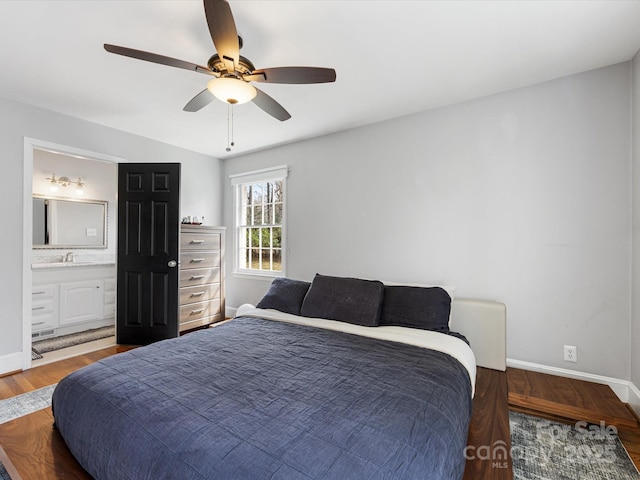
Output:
x,y
148,236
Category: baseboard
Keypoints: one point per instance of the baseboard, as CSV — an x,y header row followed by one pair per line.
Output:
x,y
230,312
623,389
11,363
634,398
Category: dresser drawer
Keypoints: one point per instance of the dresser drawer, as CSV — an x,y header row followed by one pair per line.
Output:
x,y
194,311
199,276
199,241
199,293
200,322
199,260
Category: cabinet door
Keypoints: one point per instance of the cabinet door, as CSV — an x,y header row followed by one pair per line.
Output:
x,y
81,301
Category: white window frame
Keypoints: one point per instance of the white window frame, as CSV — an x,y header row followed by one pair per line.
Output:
x,y
237,182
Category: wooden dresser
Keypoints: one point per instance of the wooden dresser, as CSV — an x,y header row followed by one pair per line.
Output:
x,y
201,290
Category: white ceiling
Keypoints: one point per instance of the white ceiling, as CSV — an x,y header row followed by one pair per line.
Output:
x,y
392,58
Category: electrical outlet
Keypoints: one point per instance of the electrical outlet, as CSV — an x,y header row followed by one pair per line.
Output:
x,y
570,353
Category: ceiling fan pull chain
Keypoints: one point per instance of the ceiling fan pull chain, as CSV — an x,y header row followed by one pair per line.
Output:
x,y
228,127
232,142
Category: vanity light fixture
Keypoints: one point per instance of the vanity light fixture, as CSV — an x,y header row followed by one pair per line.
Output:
x,y
79,187
56,183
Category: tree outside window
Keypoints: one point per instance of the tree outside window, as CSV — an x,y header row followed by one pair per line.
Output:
x,y
260,225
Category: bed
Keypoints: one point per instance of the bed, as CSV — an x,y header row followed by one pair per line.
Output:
x,y
322,380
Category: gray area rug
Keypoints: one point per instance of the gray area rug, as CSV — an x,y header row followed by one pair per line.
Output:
x,y
64,341
24,404
21,405
546,450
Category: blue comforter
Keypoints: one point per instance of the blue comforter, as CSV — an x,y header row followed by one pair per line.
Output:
x,y
258,399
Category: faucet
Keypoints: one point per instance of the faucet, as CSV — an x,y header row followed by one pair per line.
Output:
x,y
68,257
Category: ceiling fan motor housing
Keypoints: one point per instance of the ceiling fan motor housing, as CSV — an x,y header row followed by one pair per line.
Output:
x,y
244,66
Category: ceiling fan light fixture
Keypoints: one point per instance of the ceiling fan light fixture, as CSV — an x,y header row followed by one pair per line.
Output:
x,y
232,90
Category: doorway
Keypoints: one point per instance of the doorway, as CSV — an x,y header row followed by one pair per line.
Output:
x,y
33,149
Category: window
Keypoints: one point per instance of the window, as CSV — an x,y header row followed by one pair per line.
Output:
x,y
260,221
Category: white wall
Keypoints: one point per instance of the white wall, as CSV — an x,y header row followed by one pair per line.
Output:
x,y
201,195
635,317
522,197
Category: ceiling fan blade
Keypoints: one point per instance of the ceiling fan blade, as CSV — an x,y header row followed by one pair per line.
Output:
x,y
269,105
155,58
223,31
292,75
202,99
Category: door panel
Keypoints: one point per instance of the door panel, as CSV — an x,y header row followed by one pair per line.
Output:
x,y
160,293
133,244
132,300
160,241
148,234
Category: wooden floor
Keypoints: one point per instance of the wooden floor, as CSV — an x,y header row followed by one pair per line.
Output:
x,y
569,401
29,380
30,447
489,429
33,449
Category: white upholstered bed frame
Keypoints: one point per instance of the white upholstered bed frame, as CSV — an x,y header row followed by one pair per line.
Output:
x,y
484,323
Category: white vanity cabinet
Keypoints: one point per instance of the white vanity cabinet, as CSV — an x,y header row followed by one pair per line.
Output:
x,y
69,299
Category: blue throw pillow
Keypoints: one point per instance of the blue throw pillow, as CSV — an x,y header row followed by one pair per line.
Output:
x,y
285,295
351,300
416,307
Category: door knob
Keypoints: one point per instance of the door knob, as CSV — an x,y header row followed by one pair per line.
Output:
x,y
172,263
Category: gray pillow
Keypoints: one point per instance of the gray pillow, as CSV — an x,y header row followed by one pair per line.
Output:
x,y
349,300
416,307
285,295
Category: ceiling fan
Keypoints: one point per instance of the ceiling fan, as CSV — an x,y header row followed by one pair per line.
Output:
x,y
231,71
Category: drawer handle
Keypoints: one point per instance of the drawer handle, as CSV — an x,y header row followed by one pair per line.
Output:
x,y
37,308
197,294
197,242
39,293
38,323
196,277
196,260
196,312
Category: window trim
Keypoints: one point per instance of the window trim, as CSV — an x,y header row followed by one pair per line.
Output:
x,y
237,181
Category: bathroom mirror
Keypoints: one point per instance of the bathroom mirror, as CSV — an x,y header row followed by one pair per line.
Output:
x,y
69,223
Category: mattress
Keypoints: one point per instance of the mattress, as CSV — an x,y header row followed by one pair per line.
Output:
x,y
261,399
